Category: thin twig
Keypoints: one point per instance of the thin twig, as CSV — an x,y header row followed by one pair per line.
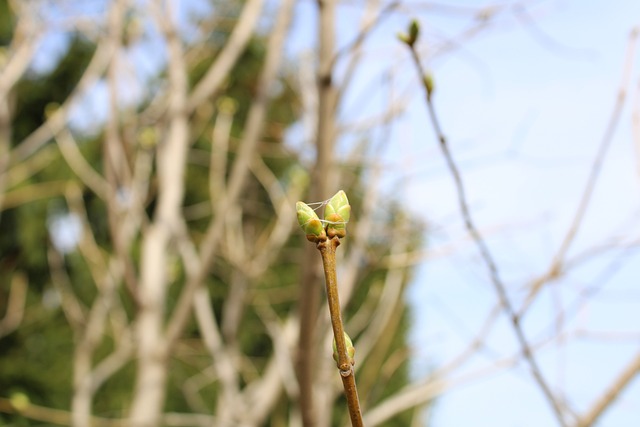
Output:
x,y
488,259
228,57
558,262
612,393
15,304
327,249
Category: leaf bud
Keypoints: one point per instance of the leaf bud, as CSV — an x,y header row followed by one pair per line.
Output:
x,y
351,350
310,223
411,36
428,83
337,213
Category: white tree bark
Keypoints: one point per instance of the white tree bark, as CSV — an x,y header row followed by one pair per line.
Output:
x,y
150,389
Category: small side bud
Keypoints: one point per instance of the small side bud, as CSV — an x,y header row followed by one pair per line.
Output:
x,y
428,83
310,223
20,401
337,213
404,38
351,350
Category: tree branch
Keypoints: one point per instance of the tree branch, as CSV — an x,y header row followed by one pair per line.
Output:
x,y
486,255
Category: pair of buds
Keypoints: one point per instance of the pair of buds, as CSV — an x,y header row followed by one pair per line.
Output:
x,y
337,212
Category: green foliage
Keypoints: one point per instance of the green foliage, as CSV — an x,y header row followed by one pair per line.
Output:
x,y
35,92
7,23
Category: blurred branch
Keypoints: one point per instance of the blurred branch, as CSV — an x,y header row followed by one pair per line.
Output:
x,y
486,255
74,310
544,39
22,171
559,259
283,337
104,53
219,149
15,305
228,57
238,174
611,393
19,53
387,304
228,403
13,63
61,417
52,416
33,192
369,21
90,334
79,165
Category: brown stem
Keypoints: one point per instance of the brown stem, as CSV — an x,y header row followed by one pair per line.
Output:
x,y
327,249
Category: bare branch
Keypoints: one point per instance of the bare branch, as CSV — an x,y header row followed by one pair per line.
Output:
x,y
210,83
76,161
15,304
611,393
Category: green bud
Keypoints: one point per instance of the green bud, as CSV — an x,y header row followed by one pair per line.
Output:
x,y
310,223
414,31
19,401
428,83
337,213
351,350
412,36
403,38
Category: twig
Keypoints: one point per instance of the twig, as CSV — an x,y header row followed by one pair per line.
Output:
x,y
488,259
15,304
612,393
228,57
79,165
327,249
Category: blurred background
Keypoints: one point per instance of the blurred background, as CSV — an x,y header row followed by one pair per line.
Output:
x,y
152,271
